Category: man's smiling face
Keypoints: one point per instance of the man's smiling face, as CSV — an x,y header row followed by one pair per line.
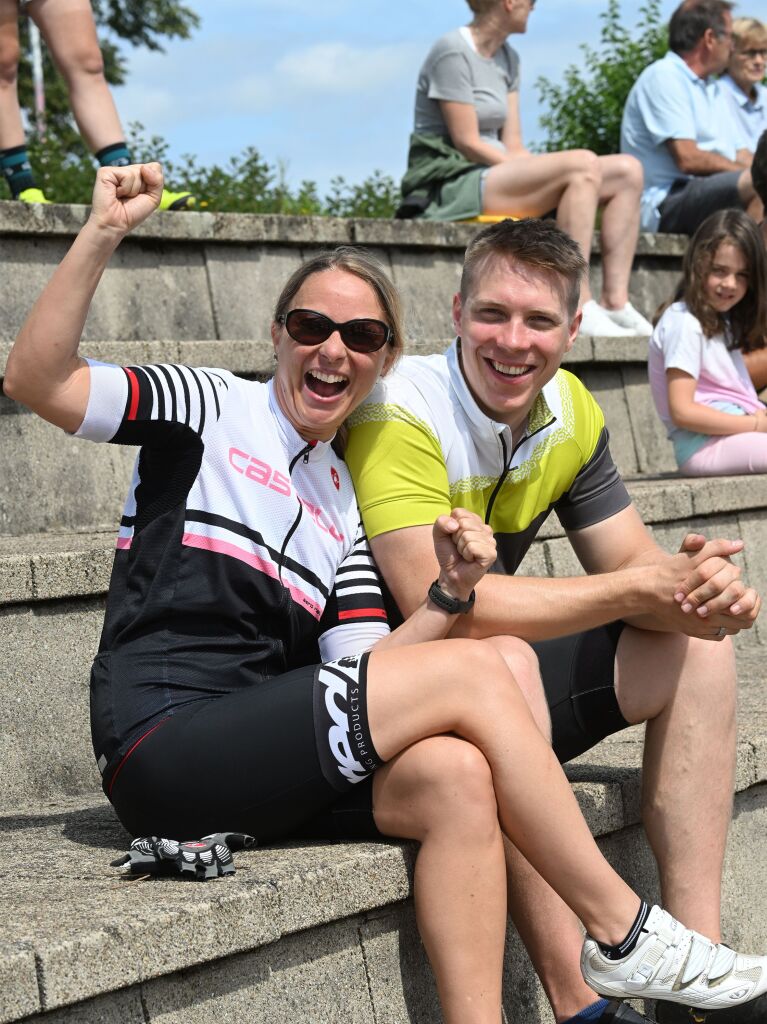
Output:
x,y
515,329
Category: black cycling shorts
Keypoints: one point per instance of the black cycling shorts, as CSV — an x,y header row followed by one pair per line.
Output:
x,y
578,673
292,757
578,677
264,760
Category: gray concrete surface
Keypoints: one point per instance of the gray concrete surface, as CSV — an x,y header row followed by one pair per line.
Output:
x,y
104,946
204,275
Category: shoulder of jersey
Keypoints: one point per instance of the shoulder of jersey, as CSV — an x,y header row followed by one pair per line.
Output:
x,y
415,381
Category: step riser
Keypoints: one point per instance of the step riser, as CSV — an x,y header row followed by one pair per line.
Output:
x,y
373,967
204,288
45,748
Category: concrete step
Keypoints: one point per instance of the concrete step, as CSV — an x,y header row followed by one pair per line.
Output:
x,y
305,933
52,593
60,483
207,275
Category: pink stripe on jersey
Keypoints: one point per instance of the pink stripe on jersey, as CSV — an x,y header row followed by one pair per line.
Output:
x,y
223,547
123,543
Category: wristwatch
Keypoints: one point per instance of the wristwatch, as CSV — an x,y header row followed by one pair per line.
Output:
x,y
449,604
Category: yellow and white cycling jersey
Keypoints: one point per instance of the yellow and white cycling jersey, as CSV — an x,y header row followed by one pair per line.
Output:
x,y
420,445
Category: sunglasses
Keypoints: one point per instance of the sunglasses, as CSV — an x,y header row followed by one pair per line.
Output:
x,y
308,327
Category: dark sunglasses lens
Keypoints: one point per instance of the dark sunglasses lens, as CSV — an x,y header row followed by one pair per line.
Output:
x,y
364,335
308,328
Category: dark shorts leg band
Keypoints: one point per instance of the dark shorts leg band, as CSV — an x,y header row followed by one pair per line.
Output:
x,y
344,744
578,673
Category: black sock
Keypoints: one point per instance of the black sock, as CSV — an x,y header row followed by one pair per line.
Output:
x,y
117,155
624,948
14,166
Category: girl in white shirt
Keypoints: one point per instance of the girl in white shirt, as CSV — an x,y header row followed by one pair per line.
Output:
x,y
698,378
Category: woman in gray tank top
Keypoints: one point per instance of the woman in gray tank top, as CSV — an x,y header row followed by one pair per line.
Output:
x,y
467,159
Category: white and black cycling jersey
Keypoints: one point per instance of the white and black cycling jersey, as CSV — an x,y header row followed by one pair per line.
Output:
x,y
240,541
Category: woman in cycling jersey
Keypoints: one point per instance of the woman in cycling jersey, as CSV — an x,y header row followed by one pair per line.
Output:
x,y
233,688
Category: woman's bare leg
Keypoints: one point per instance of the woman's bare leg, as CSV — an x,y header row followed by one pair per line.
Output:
x,y
440,792
70,34
619,196
464,687
11,127
529,186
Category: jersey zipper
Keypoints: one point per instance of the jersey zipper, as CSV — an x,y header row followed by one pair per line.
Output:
x,y
304,453
507,464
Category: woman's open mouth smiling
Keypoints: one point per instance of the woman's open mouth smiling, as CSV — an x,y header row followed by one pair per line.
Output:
x,y
325,385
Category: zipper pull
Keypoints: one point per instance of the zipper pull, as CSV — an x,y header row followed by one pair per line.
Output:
x,y
308,450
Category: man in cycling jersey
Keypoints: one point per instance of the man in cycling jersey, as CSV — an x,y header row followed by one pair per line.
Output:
x,y
496,426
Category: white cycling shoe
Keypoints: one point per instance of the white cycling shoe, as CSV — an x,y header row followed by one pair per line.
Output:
x,y
673,963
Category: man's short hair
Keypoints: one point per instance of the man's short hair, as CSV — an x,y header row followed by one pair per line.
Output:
x,y
691,19
759,168
538,244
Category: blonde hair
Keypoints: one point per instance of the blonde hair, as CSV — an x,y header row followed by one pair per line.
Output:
x,y
747,32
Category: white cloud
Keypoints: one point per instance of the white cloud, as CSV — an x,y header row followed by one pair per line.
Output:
x,y
337,67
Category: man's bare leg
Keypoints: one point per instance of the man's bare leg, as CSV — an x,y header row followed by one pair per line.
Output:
x,y
535,909
685,689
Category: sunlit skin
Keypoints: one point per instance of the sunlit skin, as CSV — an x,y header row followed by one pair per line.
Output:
x,y
515,330
722,46
727,278
341,296
747,66
518,16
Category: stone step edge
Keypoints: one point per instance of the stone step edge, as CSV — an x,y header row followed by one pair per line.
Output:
x,y
361,878
51,566
61,219
254,357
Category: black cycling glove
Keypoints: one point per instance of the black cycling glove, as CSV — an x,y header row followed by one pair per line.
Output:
x,y
197,859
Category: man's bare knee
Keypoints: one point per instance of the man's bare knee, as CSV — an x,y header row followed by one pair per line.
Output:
x,y
705,668
523,664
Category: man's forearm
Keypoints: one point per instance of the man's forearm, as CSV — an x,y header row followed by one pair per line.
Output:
x,y
540,608
701,163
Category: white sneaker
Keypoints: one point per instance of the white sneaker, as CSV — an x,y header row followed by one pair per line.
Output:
x,y
598,324
672,962
631,318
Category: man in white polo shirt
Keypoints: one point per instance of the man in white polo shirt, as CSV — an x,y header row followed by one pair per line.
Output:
x,y
677,123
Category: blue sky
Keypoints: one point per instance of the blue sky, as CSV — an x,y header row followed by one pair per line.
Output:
x,y
326,86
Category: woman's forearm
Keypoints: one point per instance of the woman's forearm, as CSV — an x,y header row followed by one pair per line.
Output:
x,y
480,152
44,358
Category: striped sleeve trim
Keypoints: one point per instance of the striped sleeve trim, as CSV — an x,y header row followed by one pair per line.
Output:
x,y
121,397
357,587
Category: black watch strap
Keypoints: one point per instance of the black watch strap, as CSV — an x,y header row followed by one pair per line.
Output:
x,y
447,603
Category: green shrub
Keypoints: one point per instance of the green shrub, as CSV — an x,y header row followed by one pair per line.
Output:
x,y
245,184
585,112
